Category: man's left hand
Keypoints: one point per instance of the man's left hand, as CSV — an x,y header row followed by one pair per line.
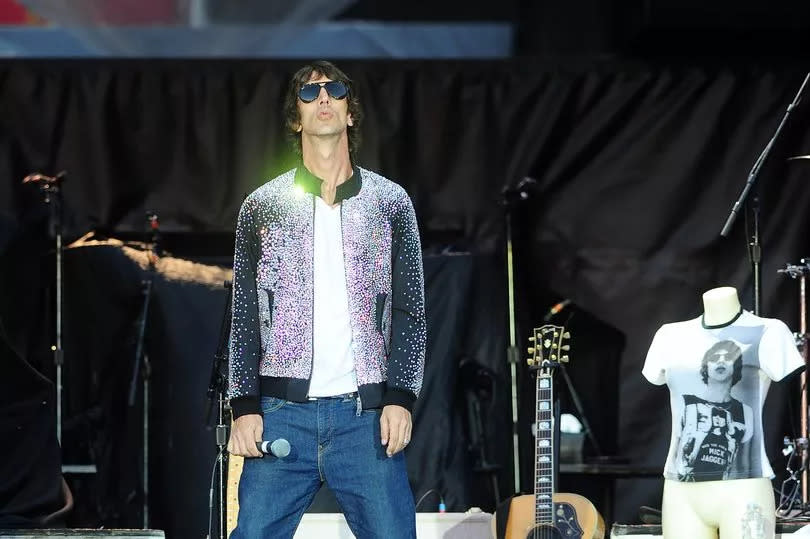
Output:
x,y
395,428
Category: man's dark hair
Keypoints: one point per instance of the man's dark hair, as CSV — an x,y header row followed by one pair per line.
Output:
x,y
732,351
301,77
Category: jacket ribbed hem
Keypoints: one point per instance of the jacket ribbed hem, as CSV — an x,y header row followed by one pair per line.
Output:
x,y
245,405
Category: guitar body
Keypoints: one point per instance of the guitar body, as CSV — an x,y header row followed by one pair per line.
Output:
x,y
575,518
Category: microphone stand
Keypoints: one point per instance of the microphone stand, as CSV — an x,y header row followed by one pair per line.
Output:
x,y
217,389
140,356
50,187
755,254
510,196
755,248
800,272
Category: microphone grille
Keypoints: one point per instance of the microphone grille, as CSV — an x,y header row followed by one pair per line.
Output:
x,y
280,448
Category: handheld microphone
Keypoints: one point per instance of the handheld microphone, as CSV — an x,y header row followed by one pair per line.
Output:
x,y
279,448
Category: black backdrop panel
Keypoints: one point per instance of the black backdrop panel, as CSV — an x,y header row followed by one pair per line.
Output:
x,y
104,299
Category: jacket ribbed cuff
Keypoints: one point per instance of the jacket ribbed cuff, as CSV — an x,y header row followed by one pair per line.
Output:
x,y
245,405
400,397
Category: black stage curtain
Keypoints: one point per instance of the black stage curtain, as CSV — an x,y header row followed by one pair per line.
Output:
x,y
636,167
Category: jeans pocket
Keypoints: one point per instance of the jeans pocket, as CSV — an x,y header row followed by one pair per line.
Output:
x,y
271,404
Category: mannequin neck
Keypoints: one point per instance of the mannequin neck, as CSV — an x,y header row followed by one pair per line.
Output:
x,y
720,306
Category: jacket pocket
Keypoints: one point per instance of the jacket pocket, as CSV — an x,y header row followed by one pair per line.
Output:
x,y
266,309
379,313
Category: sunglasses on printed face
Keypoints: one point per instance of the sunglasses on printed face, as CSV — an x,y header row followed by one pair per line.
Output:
x,y
309,92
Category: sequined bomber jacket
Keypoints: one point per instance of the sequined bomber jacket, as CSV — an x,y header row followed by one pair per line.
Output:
x,y
271,341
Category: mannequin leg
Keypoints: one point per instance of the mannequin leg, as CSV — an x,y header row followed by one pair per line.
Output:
x,y
738,509
680,517
750,513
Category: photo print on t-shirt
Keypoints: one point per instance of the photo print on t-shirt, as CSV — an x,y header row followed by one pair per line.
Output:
x,y
716,424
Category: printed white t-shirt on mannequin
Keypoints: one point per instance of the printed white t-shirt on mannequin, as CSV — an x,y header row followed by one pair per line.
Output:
x,y
715,439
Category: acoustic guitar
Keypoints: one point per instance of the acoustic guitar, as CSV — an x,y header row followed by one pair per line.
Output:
x,y
547,514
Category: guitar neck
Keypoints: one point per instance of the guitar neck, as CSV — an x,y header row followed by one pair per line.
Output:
x,y
544,464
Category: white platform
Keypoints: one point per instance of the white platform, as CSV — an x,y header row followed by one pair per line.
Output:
x,y
795,535
801,533
428,526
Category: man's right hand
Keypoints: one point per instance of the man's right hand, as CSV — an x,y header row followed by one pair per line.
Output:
x,y
245,432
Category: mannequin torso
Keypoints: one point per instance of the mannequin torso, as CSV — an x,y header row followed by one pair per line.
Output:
x,y
718,368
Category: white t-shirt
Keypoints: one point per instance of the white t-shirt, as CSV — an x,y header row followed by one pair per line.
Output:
x,y
333,361
718,379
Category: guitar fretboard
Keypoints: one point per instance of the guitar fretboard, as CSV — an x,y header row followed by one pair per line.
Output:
x,y
544,452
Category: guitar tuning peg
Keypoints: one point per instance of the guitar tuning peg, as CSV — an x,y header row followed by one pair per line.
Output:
x,y
553,357
566,347
564,359
530,361
532,339
566,335
531,350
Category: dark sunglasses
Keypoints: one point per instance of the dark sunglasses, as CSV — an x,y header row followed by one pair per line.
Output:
x,y
309,92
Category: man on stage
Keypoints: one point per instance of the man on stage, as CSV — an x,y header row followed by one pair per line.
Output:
x,y
328,334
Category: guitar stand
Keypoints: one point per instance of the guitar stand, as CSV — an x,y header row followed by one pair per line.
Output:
x,y
217,394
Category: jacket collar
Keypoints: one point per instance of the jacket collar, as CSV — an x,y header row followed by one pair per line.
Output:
x,y
312,184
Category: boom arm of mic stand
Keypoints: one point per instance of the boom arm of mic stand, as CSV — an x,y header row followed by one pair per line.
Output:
x,y
752,176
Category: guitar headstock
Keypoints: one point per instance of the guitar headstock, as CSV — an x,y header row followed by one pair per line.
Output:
x,y
548,347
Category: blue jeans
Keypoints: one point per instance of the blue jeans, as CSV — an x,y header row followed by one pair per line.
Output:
x,y
329,442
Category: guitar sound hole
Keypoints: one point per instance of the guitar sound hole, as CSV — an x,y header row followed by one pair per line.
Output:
x,y
544,532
